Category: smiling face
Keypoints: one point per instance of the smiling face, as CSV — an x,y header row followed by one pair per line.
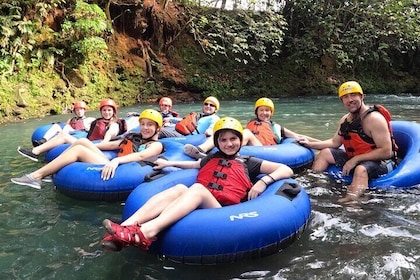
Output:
x,y
264,113
107,112
148,128
229,142
209,108
79,112
352,102
164,107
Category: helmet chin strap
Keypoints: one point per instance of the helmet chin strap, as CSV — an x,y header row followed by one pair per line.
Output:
x,y
150,138
229,156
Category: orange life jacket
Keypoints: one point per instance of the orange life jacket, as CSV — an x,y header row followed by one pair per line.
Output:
x,y
188,124
356,141
132,143
263,131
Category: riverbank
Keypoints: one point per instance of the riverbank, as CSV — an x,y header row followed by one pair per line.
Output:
x,y
91,52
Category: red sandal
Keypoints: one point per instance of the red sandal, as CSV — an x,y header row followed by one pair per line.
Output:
x,y
109,242
130,235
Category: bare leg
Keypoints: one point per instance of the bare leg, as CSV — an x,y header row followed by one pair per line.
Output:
x,y
86,152
250,139
322,160
358,186
54,129
197,196
56,141
207,145
155,205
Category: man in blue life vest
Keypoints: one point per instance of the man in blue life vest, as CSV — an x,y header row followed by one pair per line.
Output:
x,y
365,134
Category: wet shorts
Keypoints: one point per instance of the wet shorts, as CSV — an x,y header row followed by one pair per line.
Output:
x,y
374,169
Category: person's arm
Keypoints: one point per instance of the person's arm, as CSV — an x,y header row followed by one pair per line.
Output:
x,y
333,142
87,123
274,171
112,132
108,146
132,114
67,128
108,171
291,134
162,163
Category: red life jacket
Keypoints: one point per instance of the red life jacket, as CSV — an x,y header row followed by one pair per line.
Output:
x,y
188,124
356,141
227,179
77,123
100,126
263,131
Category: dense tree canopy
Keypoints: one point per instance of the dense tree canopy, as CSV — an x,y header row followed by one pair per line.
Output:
x,y
55,51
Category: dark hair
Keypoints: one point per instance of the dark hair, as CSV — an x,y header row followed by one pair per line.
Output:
x,y
217,135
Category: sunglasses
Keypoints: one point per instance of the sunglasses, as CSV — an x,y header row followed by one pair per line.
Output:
x,y
209,104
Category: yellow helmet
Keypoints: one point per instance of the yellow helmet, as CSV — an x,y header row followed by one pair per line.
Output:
x,y
264,101
227,123
349,87
152,115
214,101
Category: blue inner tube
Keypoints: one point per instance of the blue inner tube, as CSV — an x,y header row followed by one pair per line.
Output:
x,y
83,180
39,132
191,139
248,230
406,174
195,140
288,152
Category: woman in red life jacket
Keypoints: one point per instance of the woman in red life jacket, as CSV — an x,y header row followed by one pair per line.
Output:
x,y
366,136
261,131
146,148
235,181
105,128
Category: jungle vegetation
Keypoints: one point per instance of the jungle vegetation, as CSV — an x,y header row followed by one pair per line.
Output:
x,y
53,52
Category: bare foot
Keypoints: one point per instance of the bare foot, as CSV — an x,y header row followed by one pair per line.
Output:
x,y
350,198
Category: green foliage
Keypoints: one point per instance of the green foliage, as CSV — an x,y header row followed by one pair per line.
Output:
x,y
355,35
307,47
241,35
20,35
85,30
34,55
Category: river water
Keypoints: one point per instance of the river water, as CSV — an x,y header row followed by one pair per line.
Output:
x,y
46,235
